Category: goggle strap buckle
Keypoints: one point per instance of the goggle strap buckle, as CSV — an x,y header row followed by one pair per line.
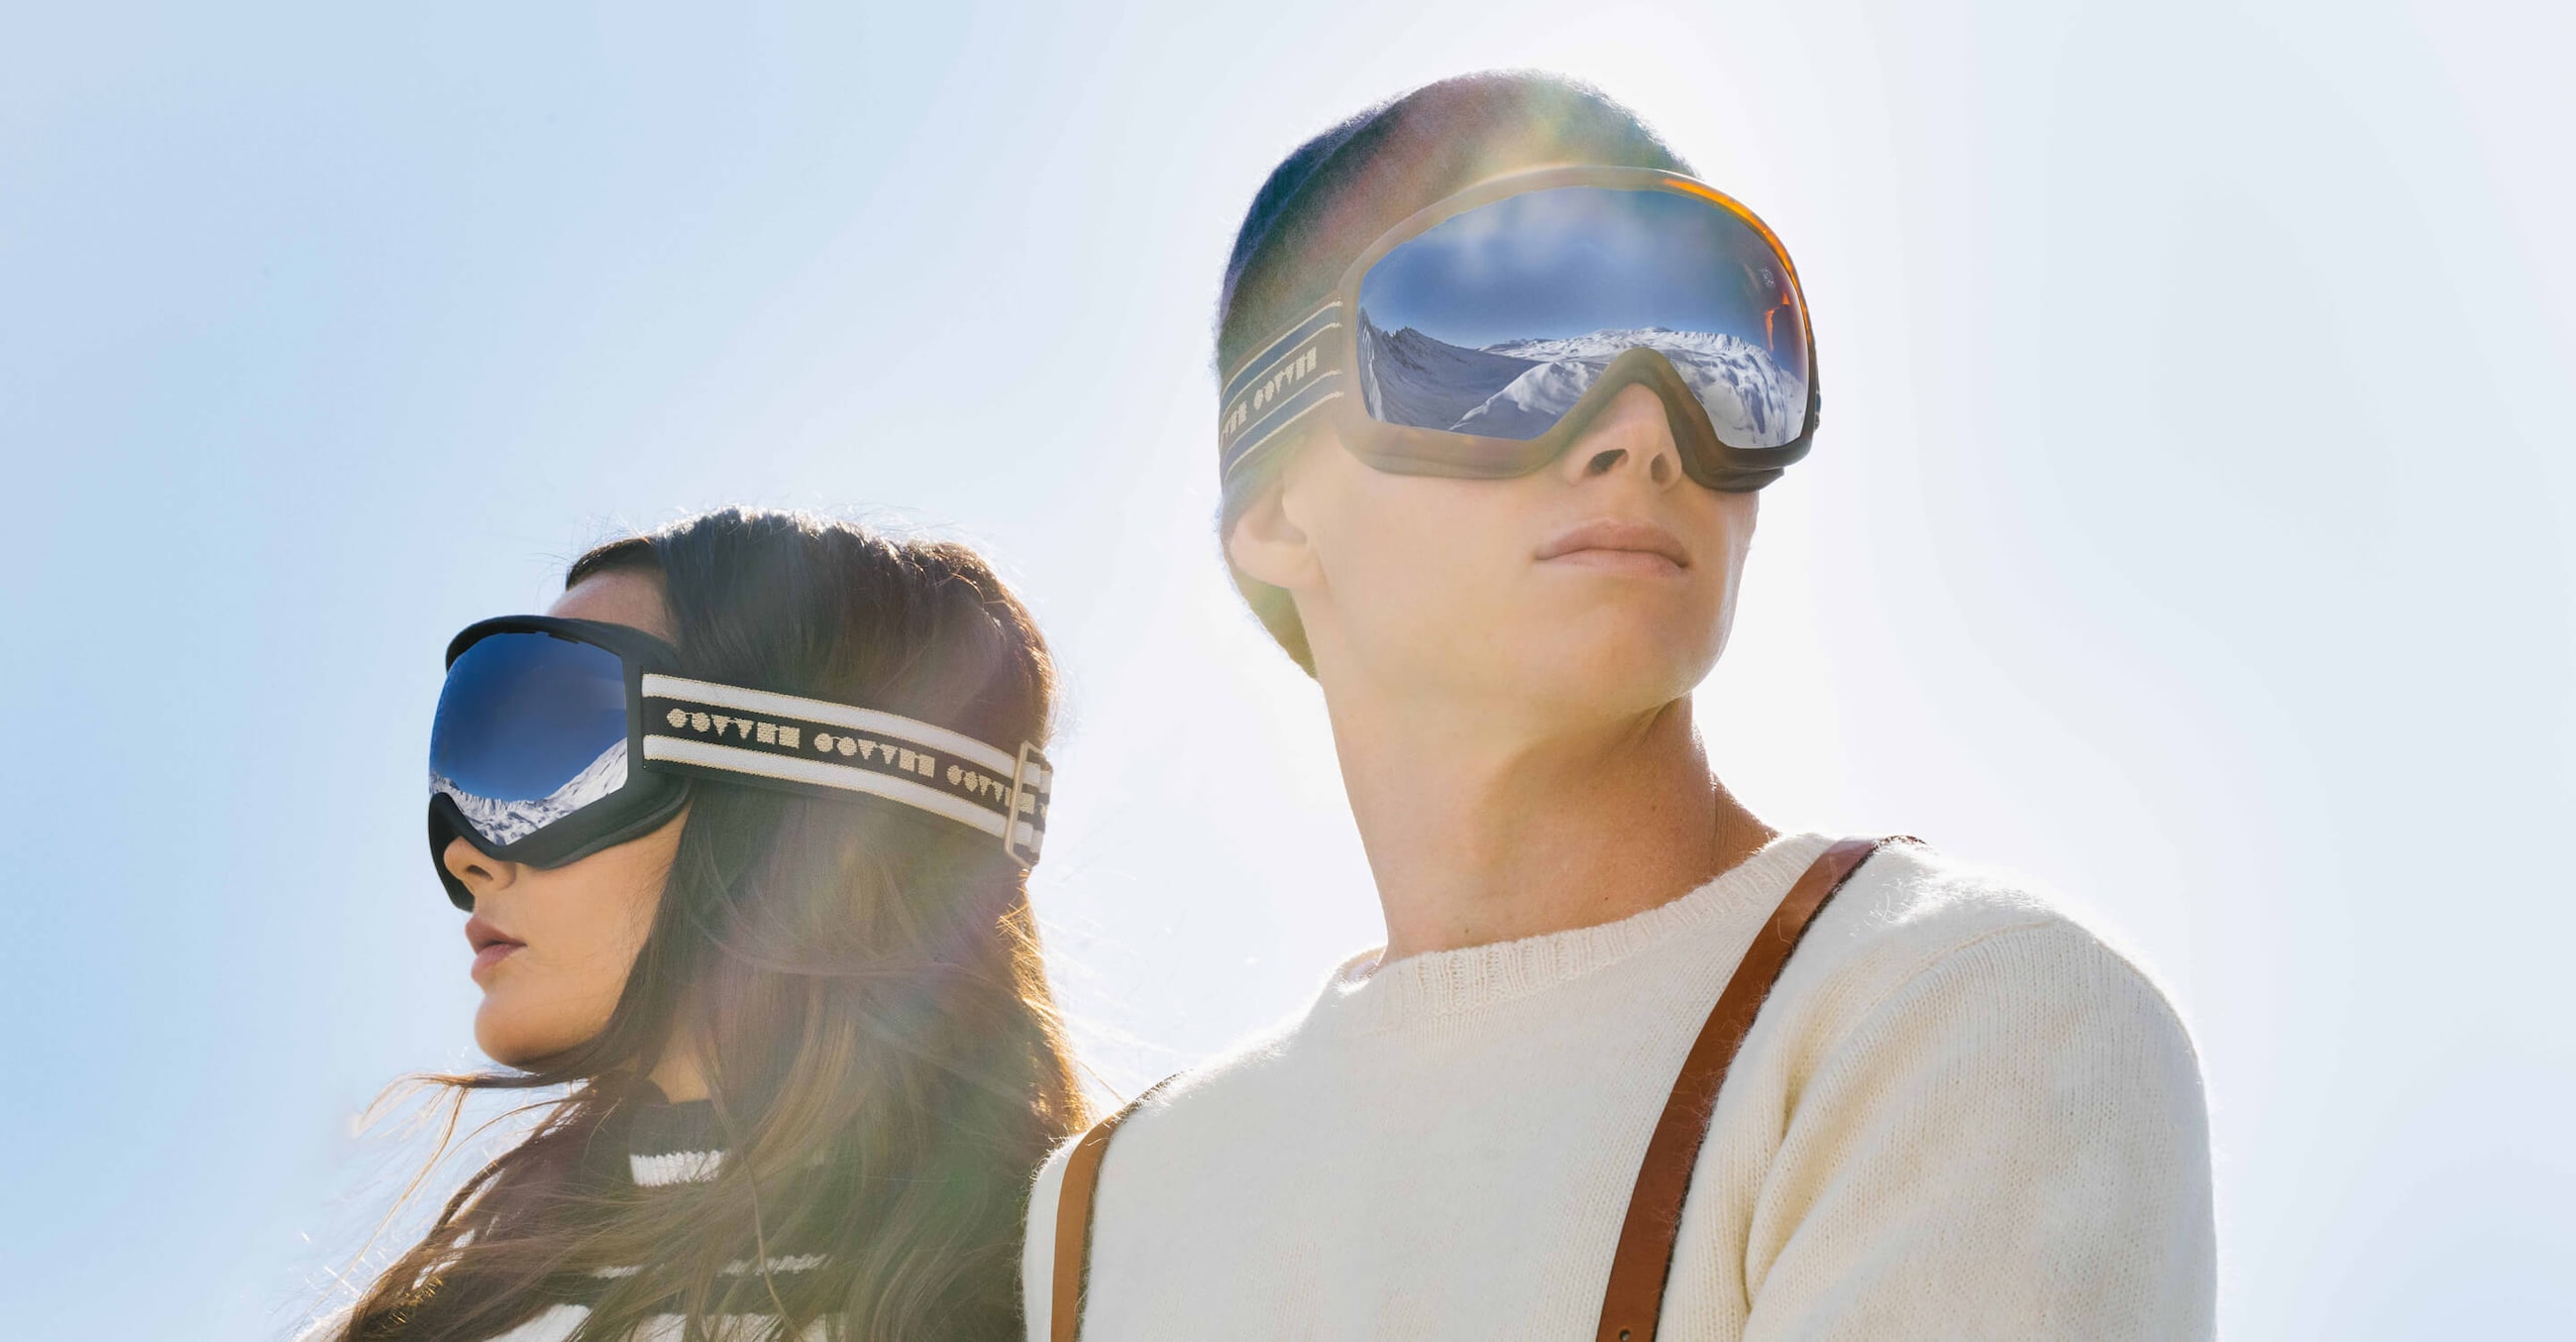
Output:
x,y
1032,793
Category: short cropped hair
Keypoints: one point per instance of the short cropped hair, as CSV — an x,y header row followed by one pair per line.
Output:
x,y
1343,189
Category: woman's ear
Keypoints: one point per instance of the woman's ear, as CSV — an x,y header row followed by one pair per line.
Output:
x,y
1267,543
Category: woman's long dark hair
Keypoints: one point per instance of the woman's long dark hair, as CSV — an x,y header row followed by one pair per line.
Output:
x,y
861,981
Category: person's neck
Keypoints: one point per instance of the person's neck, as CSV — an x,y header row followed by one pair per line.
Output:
x,y
678,1075
1480,832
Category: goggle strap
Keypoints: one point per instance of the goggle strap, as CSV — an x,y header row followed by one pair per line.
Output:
x,y
761,735
1275,388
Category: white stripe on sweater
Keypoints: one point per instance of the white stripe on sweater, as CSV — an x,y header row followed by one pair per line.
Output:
x,y
557,1322
676,1167
795,1262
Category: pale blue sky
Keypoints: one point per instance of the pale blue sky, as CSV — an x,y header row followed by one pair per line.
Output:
x,y
2192,527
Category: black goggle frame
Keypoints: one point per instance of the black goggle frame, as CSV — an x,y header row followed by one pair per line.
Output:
x,y
678,729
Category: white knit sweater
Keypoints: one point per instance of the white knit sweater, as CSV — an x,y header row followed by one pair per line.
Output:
x,y
1959,1115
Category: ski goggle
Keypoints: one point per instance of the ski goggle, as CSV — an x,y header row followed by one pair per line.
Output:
x,y
557,738
1477,338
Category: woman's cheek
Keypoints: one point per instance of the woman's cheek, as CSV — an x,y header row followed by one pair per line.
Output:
x,y
557,993
584,924
524,1019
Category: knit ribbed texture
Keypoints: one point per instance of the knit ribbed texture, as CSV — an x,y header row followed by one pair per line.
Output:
x,y
1959,1115
667,1145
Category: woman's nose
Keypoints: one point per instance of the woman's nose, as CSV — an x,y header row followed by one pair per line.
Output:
x,y
1632,434
478,873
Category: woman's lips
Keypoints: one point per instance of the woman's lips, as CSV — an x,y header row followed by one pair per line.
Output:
x,y
492,955
491,945
1638,549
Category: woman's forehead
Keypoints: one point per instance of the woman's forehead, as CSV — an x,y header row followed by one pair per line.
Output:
x,y
620,596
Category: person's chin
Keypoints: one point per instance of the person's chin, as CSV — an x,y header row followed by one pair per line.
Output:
x,y
1603,659
1612,679
505,1040
1629,621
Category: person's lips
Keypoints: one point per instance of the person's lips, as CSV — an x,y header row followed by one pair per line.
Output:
x,y
491,945
1638,548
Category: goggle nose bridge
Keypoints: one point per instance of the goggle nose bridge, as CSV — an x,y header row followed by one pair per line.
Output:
x,y
1641,365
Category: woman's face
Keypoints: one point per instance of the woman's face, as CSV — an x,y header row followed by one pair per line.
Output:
x,y
552,947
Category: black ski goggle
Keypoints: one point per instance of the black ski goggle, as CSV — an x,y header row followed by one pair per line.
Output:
x,y
557,738
1478,337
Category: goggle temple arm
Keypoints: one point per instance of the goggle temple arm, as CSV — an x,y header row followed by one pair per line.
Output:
x,y
818,747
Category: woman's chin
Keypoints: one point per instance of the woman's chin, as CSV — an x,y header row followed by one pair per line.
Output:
x,y
510,1042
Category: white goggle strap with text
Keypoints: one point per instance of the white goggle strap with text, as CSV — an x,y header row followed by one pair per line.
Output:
x,y
1291,377
817,744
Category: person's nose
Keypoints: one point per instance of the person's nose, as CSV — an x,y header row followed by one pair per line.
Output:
x,y
1633,435
479,874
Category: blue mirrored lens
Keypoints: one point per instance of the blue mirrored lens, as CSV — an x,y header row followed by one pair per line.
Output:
x,y
531,728
1496,321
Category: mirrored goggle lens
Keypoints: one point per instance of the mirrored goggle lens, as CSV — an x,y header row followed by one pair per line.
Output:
x,y
1496,321
531,728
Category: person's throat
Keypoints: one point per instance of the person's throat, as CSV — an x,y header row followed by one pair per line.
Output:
x,y
678,1076
1476,839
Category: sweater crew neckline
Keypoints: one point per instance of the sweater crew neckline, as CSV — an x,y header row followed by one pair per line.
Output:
x,y
1444,985
673,1143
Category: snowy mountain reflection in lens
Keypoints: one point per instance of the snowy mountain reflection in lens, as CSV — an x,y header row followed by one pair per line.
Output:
x,y
506,820
1497,321
530,728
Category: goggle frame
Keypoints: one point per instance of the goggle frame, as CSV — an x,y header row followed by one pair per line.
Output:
x,y
786,742
1312,368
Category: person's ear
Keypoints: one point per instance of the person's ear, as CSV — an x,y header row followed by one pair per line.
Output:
x,y
1267,543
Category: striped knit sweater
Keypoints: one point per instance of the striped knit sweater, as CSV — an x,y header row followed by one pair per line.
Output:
x,y
667,1146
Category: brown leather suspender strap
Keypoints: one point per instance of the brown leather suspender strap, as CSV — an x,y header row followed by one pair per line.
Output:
x,y
1073,1218
1635,1298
